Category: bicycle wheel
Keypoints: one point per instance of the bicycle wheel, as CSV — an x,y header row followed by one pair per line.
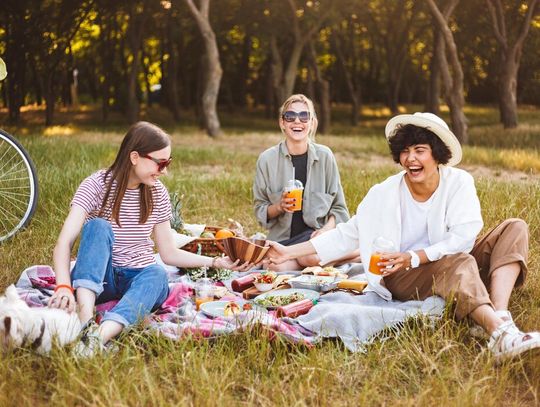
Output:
x,y
18,186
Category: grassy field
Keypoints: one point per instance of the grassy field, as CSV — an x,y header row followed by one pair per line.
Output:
x,y
424,365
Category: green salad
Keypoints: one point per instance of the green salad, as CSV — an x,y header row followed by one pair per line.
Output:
x,y
277,300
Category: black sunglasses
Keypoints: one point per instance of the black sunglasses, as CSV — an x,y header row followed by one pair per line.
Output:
x,y
161,164
290,116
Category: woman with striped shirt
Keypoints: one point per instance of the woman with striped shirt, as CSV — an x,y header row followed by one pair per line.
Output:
x,y
118,210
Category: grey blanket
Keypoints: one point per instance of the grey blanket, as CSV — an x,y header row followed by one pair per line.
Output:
x,y
357,320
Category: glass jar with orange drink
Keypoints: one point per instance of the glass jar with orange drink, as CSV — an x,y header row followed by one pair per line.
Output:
x,y
380,245
295,189
204,291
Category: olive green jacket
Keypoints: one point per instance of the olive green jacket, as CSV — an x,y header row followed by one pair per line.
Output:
x,y
323,194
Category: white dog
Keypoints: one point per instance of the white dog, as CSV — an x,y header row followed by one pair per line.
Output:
x,y
38,328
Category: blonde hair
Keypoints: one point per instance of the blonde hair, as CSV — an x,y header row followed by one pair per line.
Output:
x,y
313,122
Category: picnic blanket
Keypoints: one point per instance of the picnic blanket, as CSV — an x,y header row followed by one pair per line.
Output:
x,y
356,320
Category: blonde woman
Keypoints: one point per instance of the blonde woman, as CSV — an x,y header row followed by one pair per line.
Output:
x,y
323,202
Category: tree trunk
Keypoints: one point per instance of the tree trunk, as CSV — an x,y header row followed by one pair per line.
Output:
x,y
270,93
240,93
49,99
510,56
289,76
286,82
276,72
146,74
134,38
213,71
310,85
453,82
171,77
508,93
354,93
324,92
132,109
393,98
434,86
16,66
104,21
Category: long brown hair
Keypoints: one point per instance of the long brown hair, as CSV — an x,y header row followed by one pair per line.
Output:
x,y
144,138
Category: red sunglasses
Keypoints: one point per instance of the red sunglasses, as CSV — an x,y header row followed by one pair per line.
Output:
x,y
161,164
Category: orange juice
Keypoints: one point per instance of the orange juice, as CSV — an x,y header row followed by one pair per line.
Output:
x,y
296,194
375,258
202,300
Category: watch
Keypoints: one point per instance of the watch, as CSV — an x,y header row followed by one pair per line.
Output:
x,y
415,260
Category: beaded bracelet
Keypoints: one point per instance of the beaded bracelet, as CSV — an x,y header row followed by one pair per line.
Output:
x,y
70,288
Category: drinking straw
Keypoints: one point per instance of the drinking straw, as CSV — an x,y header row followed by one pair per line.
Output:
x,y
293,177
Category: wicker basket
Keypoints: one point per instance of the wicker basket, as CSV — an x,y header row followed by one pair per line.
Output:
x,y
209,246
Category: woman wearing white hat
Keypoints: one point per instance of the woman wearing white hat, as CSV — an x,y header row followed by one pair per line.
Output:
x,y
431,213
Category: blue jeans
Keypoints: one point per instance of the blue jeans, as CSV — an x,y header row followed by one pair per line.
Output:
x,y
140,290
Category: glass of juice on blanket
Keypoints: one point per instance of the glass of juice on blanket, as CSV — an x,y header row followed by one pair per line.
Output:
x,y
380,245
204,291
294,189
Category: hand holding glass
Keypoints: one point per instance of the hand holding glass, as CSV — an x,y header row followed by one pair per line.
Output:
x,y
294,189
380,245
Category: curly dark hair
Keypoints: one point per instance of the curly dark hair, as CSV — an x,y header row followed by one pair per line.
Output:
x,y
409,135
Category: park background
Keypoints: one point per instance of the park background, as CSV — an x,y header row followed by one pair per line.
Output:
x,y
213,74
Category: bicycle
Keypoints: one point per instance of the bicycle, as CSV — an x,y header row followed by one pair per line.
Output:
x,y
18,186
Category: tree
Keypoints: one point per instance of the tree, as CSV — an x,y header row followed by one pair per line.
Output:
x,y
453,80
510,51
323,87
345,32
41,34
212,67
434,86
138,15
393,23
304,23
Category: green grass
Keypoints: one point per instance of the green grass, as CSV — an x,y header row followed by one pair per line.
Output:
x,y
425,364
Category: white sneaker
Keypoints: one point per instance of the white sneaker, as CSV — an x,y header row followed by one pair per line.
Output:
x,y
477,331
507,341
91,344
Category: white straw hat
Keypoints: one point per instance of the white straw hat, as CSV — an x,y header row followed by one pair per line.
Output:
x,y
431,122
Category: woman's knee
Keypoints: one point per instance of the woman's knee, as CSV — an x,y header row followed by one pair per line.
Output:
x,y
462,259
516,226
156,277
99,228
462,264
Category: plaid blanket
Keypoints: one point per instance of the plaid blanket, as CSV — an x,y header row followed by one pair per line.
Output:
x,y
355,320
177,316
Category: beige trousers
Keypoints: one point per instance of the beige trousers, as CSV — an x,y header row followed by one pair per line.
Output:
x,y
465,278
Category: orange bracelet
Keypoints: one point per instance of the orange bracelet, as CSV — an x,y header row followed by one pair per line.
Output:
x,y
70,288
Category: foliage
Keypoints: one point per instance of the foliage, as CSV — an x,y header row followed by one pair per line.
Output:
x,y
387,50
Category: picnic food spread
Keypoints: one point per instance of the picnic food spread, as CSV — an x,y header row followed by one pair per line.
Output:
x,y
285,294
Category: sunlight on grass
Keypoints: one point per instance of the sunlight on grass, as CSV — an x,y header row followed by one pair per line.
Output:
x,y
54,131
